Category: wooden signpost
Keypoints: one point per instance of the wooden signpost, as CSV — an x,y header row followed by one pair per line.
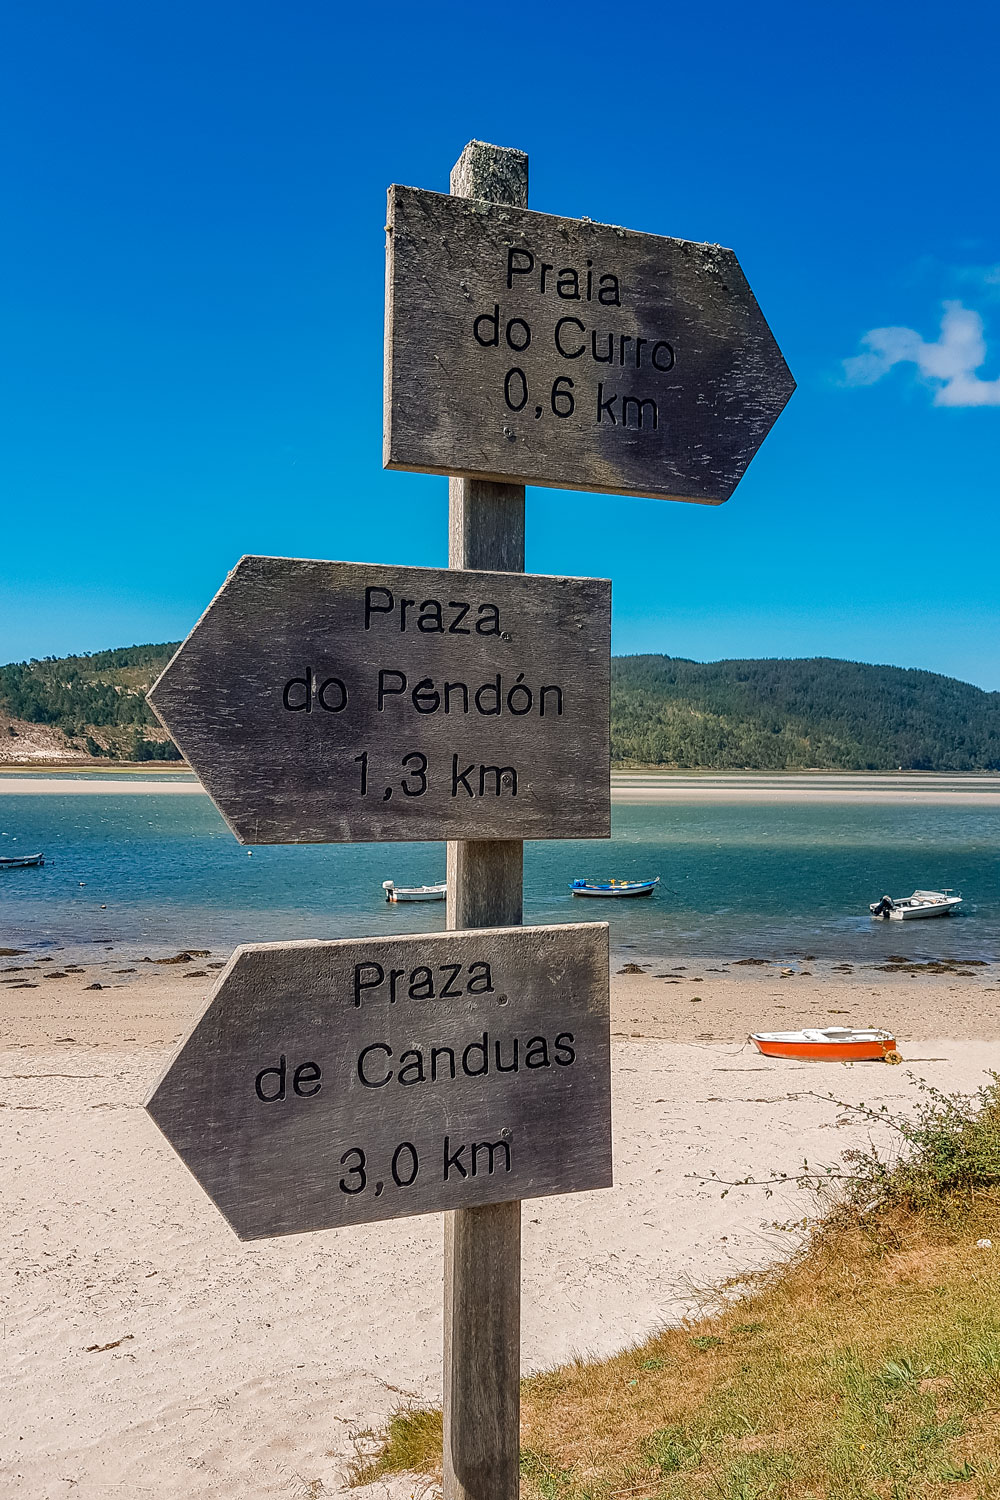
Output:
x,y
524,346
334,1083
346,1082
329,702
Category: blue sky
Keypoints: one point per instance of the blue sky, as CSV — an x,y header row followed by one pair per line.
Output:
x,y
192,290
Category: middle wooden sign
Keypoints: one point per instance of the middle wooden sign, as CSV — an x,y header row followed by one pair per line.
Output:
x,y
331,702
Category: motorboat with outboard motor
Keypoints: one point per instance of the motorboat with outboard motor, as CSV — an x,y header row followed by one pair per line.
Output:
x,y
913,908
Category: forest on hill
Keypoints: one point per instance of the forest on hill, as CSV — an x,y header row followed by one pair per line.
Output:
x,y
98,702
775,715
770,715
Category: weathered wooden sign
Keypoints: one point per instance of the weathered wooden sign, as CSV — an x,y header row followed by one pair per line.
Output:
x,y
331,702
561,352
340,1083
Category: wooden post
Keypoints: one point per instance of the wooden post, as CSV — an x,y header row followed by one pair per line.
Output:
x,y
482,1262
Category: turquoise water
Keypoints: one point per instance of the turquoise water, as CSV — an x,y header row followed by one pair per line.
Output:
x,y
155,873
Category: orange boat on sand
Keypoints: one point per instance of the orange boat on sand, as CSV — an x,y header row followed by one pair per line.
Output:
x,y
833,1044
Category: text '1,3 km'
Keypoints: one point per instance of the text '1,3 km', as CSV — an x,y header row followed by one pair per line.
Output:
x,y
328,702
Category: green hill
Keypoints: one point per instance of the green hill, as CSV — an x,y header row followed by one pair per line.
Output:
x,y
785,715
724,715
97,702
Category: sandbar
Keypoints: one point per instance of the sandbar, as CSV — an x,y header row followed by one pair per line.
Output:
x,y
815,787
627,787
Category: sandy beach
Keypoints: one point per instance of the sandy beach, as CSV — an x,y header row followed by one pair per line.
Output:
x,y
148,1352
877,789
874,788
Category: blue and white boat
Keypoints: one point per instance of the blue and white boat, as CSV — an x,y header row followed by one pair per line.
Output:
x,y
614,887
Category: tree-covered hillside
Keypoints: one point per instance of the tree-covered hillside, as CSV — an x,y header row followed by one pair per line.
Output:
x,y
97,701
724,715
777,715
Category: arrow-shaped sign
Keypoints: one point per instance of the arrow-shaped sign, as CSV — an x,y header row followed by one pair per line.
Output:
x,y
522,346
340,1083
324,702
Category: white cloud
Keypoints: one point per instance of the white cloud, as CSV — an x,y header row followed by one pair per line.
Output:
x,y
953,360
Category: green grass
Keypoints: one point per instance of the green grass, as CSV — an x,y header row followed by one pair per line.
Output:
x,y
868,1368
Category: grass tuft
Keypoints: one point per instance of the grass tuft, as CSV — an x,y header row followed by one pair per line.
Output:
x,y
411,1444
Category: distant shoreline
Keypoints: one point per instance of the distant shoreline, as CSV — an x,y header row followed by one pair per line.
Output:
x,y
928,788
95,768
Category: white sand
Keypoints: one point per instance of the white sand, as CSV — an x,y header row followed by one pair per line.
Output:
x,y
101,786
626,787
848,786
248,1370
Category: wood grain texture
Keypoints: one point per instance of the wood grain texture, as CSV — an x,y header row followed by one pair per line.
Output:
x,y
485,882
482,1279
482,1348
486,525
466,304
302,1061
486,520
279,754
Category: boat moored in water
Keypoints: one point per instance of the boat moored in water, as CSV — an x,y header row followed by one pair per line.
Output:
x,y
916,907
614,887
395,892
20,861
831,1044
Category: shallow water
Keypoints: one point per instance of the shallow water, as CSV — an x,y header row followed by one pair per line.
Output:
x,y
155,872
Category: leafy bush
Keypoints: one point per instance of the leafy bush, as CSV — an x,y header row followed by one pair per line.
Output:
x,y
950,1151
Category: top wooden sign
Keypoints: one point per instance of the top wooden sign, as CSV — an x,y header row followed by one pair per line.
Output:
x,y
521,346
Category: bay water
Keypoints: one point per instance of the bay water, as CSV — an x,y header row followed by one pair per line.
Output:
x,y
153,873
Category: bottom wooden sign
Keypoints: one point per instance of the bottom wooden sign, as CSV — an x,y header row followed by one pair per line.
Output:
x,y
340,1083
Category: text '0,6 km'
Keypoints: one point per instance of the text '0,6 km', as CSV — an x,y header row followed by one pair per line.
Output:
x,y
339,1083
522,346
331,702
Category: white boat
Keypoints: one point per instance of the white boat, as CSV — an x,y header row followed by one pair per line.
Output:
x,y
20,861
395,892
913,908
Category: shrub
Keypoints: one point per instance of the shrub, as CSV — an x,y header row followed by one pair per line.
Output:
x,y
950,1150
